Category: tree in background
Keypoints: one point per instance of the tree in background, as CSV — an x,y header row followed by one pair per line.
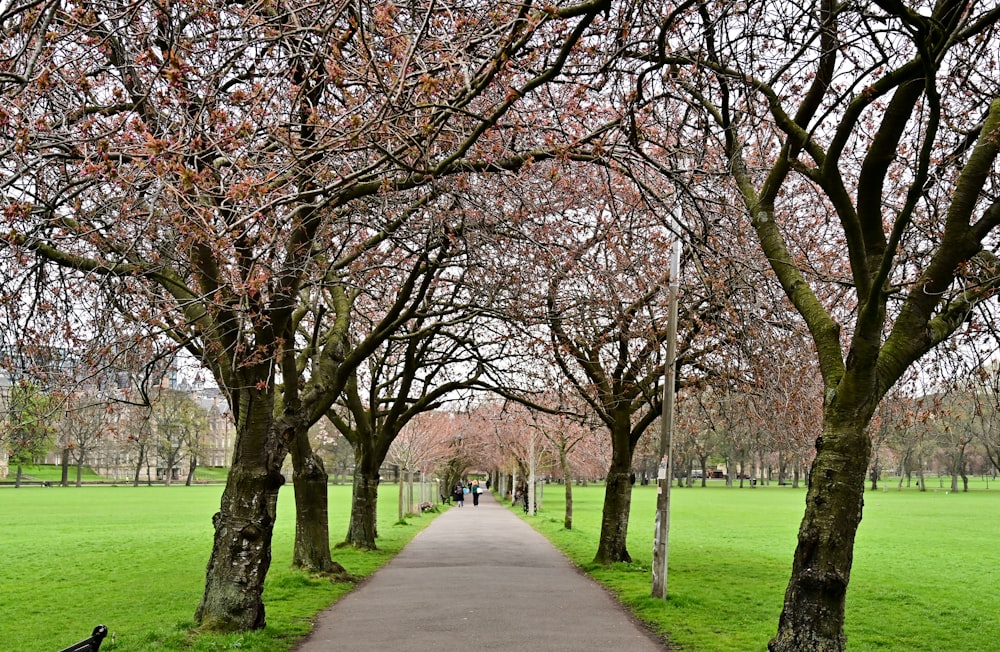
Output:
x,y
567,435
178,424
419,448
84,425
28,427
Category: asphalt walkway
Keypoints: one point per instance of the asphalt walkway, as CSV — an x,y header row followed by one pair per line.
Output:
x,y
479,578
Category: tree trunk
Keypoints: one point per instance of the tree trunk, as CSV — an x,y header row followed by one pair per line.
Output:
x,y
362,531
17,478
312,519
191,471
79,473
138,470
64,481
617,504
312,516
401,509
410,508
567,478
241,553
813,616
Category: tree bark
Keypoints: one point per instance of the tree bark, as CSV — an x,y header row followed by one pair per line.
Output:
x,y
312,516
363,531
241,552
617,504
813,616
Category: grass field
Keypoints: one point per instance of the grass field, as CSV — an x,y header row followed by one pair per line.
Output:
x,y
134,559
53,473
924,577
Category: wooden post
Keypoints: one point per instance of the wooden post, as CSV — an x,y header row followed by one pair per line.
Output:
x,y
661,545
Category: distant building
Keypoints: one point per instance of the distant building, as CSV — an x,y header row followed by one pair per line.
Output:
x,y
125,432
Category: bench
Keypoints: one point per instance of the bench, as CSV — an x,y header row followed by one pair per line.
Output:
x,y
92,644
445,500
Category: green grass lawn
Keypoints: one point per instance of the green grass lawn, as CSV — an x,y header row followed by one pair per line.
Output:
x,y
53,473
924,575
134,559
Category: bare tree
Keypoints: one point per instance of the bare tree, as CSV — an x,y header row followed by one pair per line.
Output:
x,y
83,427
861,140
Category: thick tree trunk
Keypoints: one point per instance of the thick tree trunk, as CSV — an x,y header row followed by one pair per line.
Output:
x,y
312,516
813,616
241,554
617,504
363,531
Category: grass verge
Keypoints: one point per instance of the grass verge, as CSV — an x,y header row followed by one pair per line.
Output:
x,y
924,565
134,559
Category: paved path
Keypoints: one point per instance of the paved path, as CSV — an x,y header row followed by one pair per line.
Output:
x,y
478,579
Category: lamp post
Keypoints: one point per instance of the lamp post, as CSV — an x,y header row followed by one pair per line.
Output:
x,y
665,475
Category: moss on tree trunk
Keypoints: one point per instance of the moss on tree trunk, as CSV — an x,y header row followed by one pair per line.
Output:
x,y
812,619
363,531
312,517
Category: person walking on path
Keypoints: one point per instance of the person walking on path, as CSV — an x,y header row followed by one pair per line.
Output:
x,y
458,494
475,493
431,596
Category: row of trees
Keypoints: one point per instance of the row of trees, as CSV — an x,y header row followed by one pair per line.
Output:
x,y
106,433
359,210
